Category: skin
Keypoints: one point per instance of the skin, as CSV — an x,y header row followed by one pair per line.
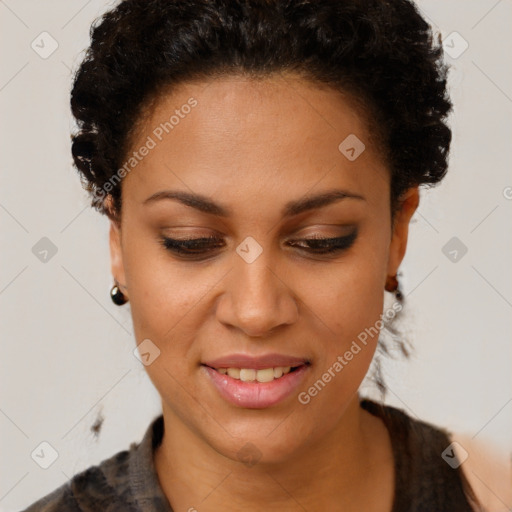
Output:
x,y
253,146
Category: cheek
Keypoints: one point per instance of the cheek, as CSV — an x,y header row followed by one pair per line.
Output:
x,y
161,293
350,304
349,295
361,307
164,301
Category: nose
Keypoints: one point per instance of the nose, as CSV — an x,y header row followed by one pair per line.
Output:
x,y
257,299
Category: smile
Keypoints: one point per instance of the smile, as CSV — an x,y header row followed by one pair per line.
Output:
x,y
256,388
251,375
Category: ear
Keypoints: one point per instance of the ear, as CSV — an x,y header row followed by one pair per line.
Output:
x,y
408,203
116,253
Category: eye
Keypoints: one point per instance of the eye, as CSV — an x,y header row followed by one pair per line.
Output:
x,y
325,245
194,247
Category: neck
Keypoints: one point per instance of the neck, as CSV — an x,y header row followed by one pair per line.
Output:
x,y
346,470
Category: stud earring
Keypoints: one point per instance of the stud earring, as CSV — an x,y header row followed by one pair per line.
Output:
x,y
117,296
392,285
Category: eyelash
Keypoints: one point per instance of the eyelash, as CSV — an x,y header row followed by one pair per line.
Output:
x,y
192,247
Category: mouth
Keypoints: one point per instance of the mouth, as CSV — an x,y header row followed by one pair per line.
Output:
x,y
257,375
256,388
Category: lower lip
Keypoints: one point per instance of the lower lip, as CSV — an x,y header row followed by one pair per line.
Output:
x,y
256,395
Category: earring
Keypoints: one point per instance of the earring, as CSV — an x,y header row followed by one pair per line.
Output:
x,y
117,295
392,286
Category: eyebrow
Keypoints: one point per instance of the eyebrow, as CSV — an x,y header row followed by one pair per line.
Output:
x,y
206,205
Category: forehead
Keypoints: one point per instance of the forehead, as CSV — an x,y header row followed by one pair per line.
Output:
x,y
253,134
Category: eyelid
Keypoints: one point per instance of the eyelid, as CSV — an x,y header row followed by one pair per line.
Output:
x,y
298,232
317,241
203,248
349,231
333,231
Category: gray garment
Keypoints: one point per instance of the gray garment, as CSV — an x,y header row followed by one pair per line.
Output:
x,y
127,481
424,481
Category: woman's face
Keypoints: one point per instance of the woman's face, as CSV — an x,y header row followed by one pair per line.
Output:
x,y
256,153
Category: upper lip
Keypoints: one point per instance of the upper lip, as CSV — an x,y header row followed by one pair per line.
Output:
x,y
256,362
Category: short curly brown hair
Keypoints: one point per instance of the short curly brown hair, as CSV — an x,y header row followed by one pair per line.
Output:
x,y
383,52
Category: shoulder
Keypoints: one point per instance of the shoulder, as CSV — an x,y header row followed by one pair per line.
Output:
x,y
488,471
433,471
60,500
97,486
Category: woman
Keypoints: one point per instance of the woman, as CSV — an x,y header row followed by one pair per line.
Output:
x,y
259,163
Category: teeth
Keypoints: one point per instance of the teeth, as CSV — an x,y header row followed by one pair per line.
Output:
x,y
266,375
234,372
247,375
251,375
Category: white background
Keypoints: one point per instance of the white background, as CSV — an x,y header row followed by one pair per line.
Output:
x,y
66,350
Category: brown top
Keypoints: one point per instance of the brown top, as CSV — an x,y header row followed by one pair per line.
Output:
x,y
424,480
128,482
